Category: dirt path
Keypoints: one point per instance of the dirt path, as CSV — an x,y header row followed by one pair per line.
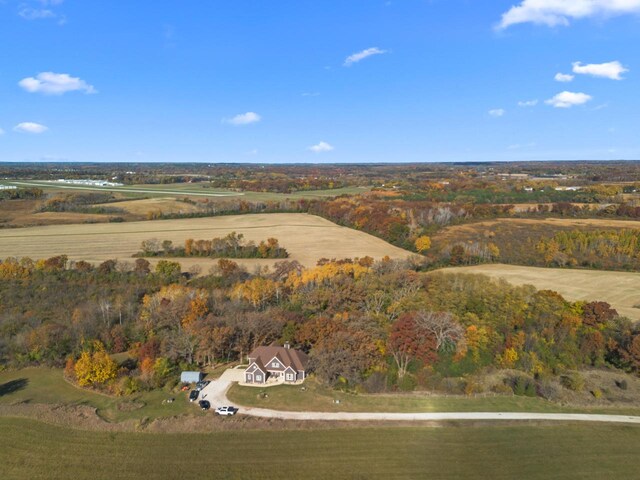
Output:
x,y
216,393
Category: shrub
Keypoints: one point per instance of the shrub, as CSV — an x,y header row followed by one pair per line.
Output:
x,y
472,386
407,383
522,386
597,393
548,390
573,382
502,389
622,384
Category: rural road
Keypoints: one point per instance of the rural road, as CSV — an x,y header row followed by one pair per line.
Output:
x,y
216,392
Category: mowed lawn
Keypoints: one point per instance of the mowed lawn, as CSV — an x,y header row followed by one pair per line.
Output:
x,y
319,398
620,289
29,449
36,385
307,238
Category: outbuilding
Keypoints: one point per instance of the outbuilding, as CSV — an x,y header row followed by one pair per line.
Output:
x,y
191,377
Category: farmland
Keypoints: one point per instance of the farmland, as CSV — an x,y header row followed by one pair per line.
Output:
x,y
497,452
620,289
196,190
307,238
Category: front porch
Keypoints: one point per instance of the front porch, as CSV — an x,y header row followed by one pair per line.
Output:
x,y
273,379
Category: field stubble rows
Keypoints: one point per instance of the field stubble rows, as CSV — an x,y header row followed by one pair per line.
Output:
x,y
306,237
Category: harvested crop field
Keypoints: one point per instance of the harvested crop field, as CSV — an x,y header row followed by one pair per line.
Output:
x,y
166,205
458,232
620,289
306,237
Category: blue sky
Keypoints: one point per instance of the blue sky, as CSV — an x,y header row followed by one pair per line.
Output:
x,y
270,82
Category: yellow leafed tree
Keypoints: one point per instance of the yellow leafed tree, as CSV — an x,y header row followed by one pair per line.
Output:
x,y
422,243
95,368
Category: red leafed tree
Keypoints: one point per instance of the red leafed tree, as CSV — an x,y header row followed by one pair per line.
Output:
x,y
408,341
597,314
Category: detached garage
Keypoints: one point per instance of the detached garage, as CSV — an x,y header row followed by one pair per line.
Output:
x,y
191,377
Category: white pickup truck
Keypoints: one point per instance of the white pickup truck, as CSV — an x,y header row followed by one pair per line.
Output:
x,y
226,410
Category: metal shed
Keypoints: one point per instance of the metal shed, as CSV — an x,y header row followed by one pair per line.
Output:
x,y
191,377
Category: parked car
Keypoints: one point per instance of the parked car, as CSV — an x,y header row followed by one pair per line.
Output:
x,y
226,410
193,396
200,385
204,404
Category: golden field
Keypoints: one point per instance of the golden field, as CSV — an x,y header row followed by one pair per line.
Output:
x,y
306,237
620,289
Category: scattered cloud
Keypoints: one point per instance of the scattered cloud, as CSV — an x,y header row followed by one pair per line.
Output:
x,y
611,70
559,12
359,56
49,83
29,13
41,10
321,147
244,119
1,132
252,152
564,77
528,103
497,112
568,99
30,127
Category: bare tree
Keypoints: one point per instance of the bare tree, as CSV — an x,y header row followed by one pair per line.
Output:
x,y
442,325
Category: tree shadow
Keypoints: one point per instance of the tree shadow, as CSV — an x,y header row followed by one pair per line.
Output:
x,y
13,386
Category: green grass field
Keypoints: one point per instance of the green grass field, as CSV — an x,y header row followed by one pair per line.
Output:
x,y
29,449
317,397
45,385
187,189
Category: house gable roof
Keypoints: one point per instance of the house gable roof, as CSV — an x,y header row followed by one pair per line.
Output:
x,y
288,357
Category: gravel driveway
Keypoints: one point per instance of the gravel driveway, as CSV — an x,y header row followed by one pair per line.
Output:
x,y
216,393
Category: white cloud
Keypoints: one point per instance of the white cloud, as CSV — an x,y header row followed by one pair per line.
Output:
x,y
611,70
563,77
568,99
497,112
559,12
528,103
243,119
30,127
29,13
1,131
321,147
356,57
49,83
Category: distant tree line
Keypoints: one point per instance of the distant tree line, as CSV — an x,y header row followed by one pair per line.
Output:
x,y
229,246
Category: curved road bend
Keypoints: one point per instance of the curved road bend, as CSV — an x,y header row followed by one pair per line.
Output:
x,y
216,392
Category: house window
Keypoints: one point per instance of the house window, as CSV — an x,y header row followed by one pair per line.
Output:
x,y
289,376
258,378
274,364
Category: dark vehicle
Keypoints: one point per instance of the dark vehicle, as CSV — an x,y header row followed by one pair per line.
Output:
x,y
200,385
193,396
204,404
